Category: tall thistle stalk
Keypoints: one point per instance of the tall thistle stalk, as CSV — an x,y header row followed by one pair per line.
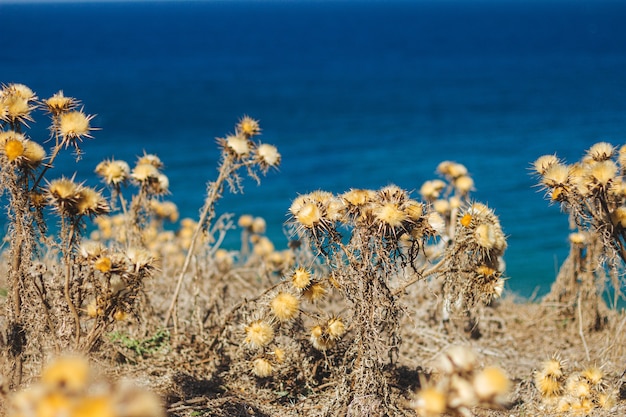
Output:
x,y
238,151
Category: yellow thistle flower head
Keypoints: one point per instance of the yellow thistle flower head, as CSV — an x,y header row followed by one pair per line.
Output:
x,y
284,306
389,216
103,264
491,383
413,210
335,328
267,156
14,148
431,190
15,100
58,103
144,173
430,402
262,368
237,145
301,278
601,151
152,159
319,339
63,193
90,202
33,154
464,184
259,333
245,221
602,173
315,291
113,172
556,175
248,127
73,126
70,374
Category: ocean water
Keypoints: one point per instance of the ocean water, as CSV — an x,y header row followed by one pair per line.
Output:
x,y
353,93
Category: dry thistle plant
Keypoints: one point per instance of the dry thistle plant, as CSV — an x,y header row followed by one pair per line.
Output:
x,y
367,247
238,152
56,285
593,193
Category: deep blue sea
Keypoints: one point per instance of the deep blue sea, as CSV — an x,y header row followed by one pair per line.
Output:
x,y
353,93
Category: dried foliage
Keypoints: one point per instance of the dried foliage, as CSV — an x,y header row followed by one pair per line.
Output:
x,y
356,317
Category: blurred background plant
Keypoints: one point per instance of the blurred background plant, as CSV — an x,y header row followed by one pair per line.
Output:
x,y
593,194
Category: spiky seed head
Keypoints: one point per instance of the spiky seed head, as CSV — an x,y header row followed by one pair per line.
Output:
x,y
245,221
392,194
141,259
15,108
413,210
262,368
437,223
601,151
577,387
555,175
606,400
285,306
431,190
113,172
58,103
309,215
259,225
63,193
268,155
335,328
490,383
603,172
248,127
301,278
144,172
315,291
442,206
335,210
456,170
68,374
389,214
74,126
259,333
358,197
485,236
593,375
553,368
150,158
238,145
278,355
90,202
544,162
548,385
34,153
430,402
319,339
464,184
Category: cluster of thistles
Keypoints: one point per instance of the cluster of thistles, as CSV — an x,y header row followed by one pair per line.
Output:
x,y
579,392
460,386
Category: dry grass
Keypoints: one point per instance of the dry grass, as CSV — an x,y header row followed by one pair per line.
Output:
x,y
358,317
